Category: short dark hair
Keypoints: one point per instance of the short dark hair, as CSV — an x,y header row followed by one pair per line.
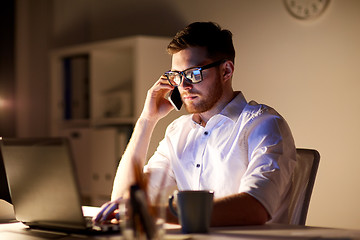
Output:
x,y
217,41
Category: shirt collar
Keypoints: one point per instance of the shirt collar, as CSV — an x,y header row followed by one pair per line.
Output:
x,y
233,109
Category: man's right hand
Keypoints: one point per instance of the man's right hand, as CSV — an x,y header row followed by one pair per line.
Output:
x,y
156,105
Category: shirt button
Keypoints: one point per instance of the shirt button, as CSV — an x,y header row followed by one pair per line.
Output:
x,y
197,165
206,133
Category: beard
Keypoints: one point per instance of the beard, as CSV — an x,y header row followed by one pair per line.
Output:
x,y
207,100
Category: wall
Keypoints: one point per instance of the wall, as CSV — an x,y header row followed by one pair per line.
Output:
x,y
32,67
307,70
7,69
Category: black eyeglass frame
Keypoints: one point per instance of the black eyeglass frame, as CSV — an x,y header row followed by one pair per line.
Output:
x,y
210,65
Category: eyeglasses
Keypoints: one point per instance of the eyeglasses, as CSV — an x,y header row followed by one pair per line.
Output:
x,y
192,75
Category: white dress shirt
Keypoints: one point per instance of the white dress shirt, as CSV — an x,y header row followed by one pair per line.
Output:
x,y
248,147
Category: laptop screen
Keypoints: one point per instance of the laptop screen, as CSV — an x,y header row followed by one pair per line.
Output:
x,y
43,185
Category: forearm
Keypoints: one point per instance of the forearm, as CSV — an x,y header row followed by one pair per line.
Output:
x,y
155,108
238,209
134,155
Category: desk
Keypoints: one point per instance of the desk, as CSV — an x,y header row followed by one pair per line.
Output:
x,y
18,231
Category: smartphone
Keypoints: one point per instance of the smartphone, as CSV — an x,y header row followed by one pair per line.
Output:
x,y
175,99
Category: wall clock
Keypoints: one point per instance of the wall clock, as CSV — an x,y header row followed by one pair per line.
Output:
x,y
306,9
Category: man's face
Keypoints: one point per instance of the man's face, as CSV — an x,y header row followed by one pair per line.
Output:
x,y
203,96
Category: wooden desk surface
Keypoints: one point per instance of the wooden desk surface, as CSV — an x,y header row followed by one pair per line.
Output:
x,y
18,231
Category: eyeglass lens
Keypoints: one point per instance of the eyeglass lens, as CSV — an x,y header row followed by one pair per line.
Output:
x,y
192,75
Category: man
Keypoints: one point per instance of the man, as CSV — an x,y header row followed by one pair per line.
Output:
x,y
242,151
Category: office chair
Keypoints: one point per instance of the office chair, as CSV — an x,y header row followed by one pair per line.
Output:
x,y
303,180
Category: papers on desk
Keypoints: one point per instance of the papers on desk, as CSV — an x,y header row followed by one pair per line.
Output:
x,y
89,211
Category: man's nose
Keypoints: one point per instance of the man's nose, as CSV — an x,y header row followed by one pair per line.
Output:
x,y
185,84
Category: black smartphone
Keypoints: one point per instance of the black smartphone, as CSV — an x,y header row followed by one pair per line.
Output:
x,y
175,99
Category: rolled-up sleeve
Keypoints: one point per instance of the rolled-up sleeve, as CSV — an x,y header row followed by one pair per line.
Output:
x,y
271,156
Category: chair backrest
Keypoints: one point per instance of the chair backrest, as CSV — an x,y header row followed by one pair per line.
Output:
x,y
303,180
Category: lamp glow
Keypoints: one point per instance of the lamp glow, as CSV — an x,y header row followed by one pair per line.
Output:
x,y
3,103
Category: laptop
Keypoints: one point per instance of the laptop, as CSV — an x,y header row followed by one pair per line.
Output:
x,y
43,185
4,189
6,208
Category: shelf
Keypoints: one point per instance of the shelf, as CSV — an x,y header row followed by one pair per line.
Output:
x,y
101,122
97,93
74,123
113,121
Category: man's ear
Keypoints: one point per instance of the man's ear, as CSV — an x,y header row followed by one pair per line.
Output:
x,y
228,70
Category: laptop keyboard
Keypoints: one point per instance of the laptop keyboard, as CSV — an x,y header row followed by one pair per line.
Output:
x,y
104,227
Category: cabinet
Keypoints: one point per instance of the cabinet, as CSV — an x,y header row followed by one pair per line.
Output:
x,y
97,93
